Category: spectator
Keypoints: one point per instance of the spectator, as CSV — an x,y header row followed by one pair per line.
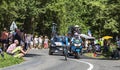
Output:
x,y
106,48
27,41
40,40
35,42
86,44
19,52
19,35
46,40
118,48
101,42
118,44
1,52
4,39
10,37
114,52
12,47
31,42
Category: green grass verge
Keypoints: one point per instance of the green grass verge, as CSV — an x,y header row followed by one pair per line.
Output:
x,y
9,60
92,55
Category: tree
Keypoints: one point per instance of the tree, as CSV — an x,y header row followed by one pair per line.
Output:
x,y
7,13
99,16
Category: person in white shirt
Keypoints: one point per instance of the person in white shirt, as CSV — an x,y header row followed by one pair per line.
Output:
x,y
40,41
35,42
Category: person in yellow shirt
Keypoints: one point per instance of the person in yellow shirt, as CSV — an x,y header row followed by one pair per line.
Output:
x,y
19,52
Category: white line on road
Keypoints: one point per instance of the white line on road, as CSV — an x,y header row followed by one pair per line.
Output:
x,y
91,65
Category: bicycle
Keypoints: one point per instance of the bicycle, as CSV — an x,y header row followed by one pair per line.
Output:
x,y
65,52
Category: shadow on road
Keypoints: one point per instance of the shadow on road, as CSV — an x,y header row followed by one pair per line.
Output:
x,y
32,55
57,54
86,57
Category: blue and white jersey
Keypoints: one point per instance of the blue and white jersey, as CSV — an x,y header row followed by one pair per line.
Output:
x,y
74,40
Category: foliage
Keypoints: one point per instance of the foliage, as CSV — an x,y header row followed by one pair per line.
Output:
x,y
99,16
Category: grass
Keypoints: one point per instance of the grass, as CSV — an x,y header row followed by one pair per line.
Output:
x,y
92,55
101,55
9,60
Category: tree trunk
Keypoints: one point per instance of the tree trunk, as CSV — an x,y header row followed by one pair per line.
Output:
x,y
29,25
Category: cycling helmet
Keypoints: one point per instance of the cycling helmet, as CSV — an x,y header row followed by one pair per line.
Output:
x,y
76,26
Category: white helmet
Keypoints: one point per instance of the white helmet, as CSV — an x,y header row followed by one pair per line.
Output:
x,y
76,26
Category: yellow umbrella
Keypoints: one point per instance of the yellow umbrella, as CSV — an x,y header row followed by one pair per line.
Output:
x,y
107,37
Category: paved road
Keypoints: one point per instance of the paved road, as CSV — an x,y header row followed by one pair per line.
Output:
x,y
40,60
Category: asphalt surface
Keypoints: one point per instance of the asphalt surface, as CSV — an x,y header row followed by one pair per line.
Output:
x,y
40,60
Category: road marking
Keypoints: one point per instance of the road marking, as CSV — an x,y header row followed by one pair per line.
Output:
x,y
91,65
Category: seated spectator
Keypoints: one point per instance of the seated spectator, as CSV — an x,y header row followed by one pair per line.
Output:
x,y
19,52
12,47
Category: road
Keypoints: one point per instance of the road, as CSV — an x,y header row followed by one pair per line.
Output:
x,y
40,60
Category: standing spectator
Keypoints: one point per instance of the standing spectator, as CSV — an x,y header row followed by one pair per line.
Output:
x,y
1,52
118,43
40,40
10,37
4,39
90,46
22,36
27,41
19,35
86,44
106,48
46,40
101,42
35,41
31,42
118,48
16,35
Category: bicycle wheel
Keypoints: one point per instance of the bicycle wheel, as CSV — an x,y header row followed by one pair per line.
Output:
x,y
65,52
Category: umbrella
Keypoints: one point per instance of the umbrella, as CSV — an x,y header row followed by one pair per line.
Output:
x,y
107,37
